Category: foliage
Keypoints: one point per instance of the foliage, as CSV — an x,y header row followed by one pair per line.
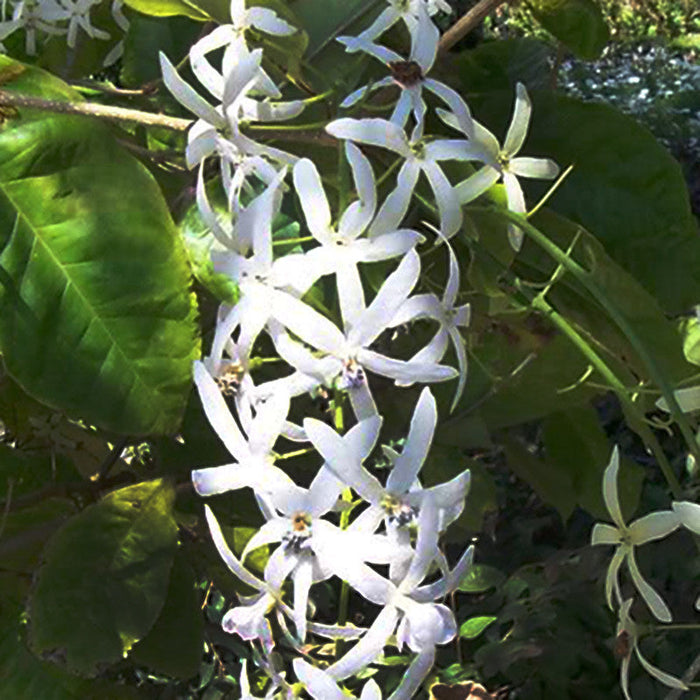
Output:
x,y
127,252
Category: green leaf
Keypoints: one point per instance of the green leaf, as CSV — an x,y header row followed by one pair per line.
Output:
x,y
96,318
105,577
481,578
174,646
578,24
554,486
168,8
473,627
690,331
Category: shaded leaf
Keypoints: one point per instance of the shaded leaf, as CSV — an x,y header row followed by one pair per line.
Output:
x,y
105,577
481,578
96,318
578,24
175,644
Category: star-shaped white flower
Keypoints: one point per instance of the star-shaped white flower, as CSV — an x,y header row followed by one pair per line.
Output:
x,y
410,75
626,537
348,355
231,37
78,16
254,466
342,248
627,642
399,503
503,162
450,318
421,156
422,624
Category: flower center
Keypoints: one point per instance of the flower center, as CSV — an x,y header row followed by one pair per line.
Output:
x,y
297,537
406,73
229,380
398,512
352,375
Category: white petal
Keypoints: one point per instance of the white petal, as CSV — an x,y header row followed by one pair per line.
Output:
x,y
605,534
385,304
418,306
516,203
227,555
267,426
374,132
666,678
351,294
417,446
316,682
218,414
268,21
405,371
271,531
368,648
415,675
426,545
612,502
517,131
313,199
358,215
395,206
215,480
302,577
454,100
536,168
689,514
461,352
475,185
188,96
612,580
653,526
446,198
653,600
362,401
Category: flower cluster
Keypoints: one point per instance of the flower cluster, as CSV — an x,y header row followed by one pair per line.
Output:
x,y
384,544
625,538
40,19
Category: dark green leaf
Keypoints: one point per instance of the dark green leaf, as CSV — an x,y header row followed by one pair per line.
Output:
x,y
95,313
105,577
481,578
174,646
578,24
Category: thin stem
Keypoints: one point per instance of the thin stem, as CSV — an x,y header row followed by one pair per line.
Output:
x,y
466,23
296,453
586,279
677,626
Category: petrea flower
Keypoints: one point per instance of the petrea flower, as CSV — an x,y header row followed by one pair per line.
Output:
x,y
310,545
399,503
450,318
348,355
33,16
341,247
253,467
421,624
421,156
626,537
78,16
321,686
501,162
410,75
232,37
627,641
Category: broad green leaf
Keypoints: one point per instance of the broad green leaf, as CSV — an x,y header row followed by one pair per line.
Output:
x,y
576,444
481,578
174,646
168,8
25,676
105,577
690,331
472,628
578,24
96,318
554,486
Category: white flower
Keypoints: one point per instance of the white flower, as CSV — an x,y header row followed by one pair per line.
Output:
x,y
217,129
78,15
231,37
627,642
502,162
123,23
253,467
450,318
626,537
348,355
410,75
322,687
310,546
342,248
689,514
33,16
420,156
422,624
399,503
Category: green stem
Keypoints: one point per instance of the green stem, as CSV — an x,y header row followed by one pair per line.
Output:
x,y
676,626
585,278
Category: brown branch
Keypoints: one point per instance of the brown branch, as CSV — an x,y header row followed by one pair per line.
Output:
x,y
466,23
90,109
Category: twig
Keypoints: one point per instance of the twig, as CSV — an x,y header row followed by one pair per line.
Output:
x,y
6,509
90,109
466,23
688,676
